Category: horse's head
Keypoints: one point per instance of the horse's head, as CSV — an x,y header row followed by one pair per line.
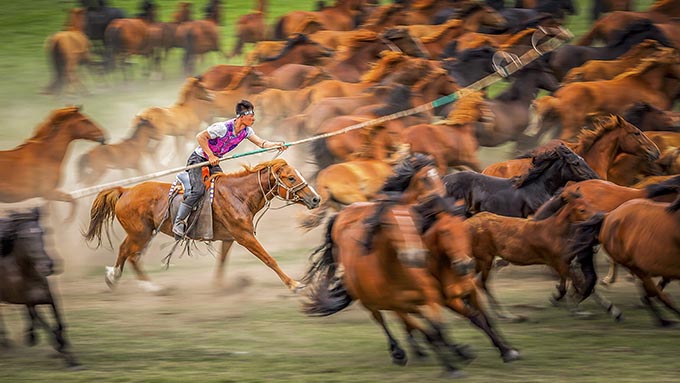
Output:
x,y
417,178
22,236
573,167
199,92
633,141
400,39
576,208
491,17
77,19
78,125
670,161
290,185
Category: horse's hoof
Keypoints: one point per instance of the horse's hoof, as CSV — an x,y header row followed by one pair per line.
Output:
x,y
399,357
667,323
453,374
31,339
465,352
511,356
297,287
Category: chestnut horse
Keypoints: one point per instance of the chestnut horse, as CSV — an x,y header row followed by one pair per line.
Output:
x,y
647,117
42,156
568,107
66,51
183,119
628,170
544,240
604,29
126,37
250,28
198,37
339,17
643,236
127,154
24,268
610,136
143,210
373,253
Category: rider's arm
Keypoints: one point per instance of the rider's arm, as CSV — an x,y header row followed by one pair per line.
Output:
x,y
202,139
257,140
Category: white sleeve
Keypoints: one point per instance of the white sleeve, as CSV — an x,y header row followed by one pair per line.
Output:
x,y
218,129
249,131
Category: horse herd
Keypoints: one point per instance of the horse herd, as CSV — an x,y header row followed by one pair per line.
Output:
x,y
417,220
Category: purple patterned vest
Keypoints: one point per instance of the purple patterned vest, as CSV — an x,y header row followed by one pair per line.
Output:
x,y
222,145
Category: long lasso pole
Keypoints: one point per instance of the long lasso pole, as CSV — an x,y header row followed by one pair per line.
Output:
x,y
516,64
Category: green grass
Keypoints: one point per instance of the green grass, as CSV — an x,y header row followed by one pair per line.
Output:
x,y
259,334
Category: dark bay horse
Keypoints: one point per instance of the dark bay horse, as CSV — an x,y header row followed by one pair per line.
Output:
x,y
519,196
42,156
643,236
647,117
543,240
24,268
142,210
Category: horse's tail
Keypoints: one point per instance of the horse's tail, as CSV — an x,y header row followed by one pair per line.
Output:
x,y
585,237
58,60
322,154
102,214
112,45
327,295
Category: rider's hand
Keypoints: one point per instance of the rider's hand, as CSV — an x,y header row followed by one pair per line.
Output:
x,y
281,146
213,159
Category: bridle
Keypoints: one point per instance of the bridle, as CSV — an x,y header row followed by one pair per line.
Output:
x,y
291,191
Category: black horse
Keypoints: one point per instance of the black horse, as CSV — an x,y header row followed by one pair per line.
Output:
x,y
519,196
470,65
24,267
98,16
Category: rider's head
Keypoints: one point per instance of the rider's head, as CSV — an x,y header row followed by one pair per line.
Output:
x,y
244,107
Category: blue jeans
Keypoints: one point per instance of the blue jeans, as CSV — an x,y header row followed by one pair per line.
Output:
x,y
196,179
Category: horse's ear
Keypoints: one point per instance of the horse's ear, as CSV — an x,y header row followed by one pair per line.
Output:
x,y
79,108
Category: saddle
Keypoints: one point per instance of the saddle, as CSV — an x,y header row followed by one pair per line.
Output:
x,y
200,221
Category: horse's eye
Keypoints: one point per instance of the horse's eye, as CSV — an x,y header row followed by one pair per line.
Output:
x,y
291,178
637,134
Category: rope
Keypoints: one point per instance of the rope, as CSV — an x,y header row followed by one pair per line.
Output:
x,y
502,72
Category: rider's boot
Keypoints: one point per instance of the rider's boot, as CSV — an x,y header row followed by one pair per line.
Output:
x,y
180,225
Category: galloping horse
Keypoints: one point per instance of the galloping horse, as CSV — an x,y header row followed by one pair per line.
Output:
x,y
521,241
373,253
641,235
126,37
610,136
339,17
24,268
66,50
569,105
42,155
647,117
520,196
142,210
200,36
183,119
126,154
250,28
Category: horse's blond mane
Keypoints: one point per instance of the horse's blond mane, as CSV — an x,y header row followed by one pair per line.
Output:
x,y
275,165
466,110
588,137
186,90
387,61
367,149
441,30
306,21
514,39
50,125
663,54
238,78
431,76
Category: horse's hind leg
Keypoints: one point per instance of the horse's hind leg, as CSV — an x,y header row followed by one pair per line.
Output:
x,y
410,328
653,290
396,352
31,338
221,262
131,249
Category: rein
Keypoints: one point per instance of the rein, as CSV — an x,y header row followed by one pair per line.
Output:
x,y
291,192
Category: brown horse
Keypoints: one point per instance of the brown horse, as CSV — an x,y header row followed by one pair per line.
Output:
x,y
126,37
198,37
373,253
127,154
298,50
143,211
296,76
344,183
338,17
604,29
568,107
641,235
628,170
66,51
244,85
366,47
646,117
250,28
451,142
24,268
594,70
183,119
42,156
543,240
605,196
610,136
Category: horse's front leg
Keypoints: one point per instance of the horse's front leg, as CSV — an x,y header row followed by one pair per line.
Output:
x,y
396,352
62,343
253,245
218,279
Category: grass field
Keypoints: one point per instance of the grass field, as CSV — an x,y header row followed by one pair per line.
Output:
x,y
253,330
